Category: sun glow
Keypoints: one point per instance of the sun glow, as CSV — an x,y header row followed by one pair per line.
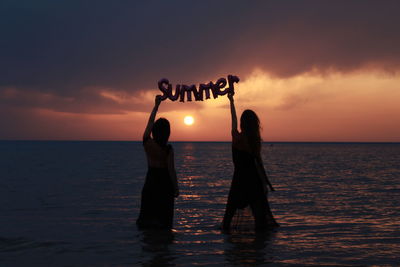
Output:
x,y
188,120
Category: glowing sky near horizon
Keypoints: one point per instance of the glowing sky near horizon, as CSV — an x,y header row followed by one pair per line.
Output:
x,y
311,71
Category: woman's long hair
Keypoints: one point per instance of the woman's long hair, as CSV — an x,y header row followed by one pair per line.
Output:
x,y
250,127
161,131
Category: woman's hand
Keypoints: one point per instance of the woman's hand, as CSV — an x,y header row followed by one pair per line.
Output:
x,y
271,187
157,100
176,192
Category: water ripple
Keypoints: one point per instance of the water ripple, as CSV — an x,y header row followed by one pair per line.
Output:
x,y
75,203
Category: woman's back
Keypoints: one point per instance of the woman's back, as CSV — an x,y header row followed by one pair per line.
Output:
x,y
243,160
240,142
157,156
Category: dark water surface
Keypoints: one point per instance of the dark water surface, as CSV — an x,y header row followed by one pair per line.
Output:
x,y
75,204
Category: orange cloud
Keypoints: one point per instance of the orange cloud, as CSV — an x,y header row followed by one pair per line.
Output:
x,y
359,106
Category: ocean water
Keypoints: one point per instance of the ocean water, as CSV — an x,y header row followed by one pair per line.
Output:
x,y
75,204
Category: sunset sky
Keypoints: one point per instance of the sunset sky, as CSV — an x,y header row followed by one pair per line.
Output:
x,y
311,70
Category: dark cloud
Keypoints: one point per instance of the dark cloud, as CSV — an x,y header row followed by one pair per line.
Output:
x,y
63,47
89,101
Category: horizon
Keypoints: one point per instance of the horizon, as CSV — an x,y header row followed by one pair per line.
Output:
x,y
176,141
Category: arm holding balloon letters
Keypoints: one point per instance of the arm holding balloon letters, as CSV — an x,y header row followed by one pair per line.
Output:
x,y
147,131
234,130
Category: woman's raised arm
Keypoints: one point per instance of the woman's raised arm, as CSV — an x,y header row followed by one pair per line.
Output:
x,y
147,131
233,114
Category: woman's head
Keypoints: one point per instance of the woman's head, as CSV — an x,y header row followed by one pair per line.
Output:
x,y
250,127
161,131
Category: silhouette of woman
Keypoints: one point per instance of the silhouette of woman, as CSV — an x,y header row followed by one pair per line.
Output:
x,y
249,183
161,185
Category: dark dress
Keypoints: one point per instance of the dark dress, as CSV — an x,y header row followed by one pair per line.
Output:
x,y
247,191
157,203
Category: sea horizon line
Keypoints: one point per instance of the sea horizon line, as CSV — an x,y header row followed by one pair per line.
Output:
x,y
183,141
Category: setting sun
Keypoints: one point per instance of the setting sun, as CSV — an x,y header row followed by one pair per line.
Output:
x,y
188,120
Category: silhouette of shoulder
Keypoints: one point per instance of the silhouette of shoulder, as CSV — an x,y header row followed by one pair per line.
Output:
x,y
239,142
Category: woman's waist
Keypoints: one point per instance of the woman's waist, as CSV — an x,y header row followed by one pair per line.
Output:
x,y
157,170
157,167
157,175
246,174
157,163
243,160
247,166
